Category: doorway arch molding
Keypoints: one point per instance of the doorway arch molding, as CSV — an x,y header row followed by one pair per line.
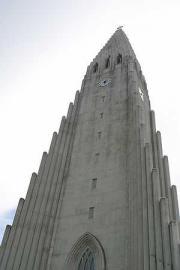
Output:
x,y
87,240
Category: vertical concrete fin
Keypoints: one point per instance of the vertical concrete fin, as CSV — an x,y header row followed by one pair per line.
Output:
x,y
136,184
165,233
70,109
73,125
23,224
61,127
33,212
157,222
153,139
166,174
168,185
54,191
175,206
56,208
6,235
76,99
53,142
151,232
59,180
160,163
11,239
133,171
145,240
23,227
19,230
174,245
44,213
4,241
42,163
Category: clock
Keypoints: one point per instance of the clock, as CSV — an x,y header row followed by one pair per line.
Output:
x,y
104,82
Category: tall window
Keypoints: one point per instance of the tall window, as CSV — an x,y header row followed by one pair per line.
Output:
x,y
119,58
95,68
107,62
87,261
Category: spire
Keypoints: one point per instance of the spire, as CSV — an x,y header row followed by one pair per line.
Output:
x,y
118,43
117,46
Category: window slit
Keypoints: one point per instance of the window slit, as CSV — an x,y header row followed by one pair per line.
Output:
x,y
119,59
91,212
99,134
107,63
101,115
95,68
94,183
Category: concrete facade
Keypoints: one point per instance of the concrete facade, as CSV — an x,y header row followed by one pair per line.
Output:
x,y
104,185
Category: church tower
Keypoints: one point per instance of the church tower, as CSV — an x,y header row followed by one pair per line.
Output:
x,y
102,198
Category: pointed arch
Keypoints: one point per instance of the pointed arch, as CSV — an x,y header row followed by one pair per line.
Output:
x,y
119,59
86,244
107,62
95,67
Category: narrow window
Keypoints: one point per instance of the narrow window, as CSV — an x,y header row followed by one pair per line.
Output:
x,y
99,134
119,59
94,183
107,63
97,157
95,68
91,212
103,98
101,115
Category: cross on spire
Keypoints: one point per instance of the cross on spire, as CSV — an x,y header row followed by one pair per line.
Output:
x,y
141,94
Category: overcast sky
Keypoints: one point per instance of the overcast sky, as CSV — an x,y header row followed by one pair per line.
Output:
x,y
44,52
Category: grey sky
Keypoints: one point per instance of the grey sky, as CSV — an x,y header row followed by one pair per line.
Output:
x,y
45,49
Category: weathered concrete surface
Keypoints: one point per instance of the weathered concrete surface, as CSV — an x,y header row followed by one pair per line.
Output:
x,y
110,135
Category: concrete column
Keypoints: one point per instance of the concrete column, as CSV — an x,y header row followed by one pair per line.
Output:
x,y
145,240
165,233
153,139
157,221
168,186
51,183
139,210
133,173
11,239
17,243
151,230
166,175
34,212
56,206
50,196
23,228
131,184
174,245
175,206
160,163
4,241
133,170
22,224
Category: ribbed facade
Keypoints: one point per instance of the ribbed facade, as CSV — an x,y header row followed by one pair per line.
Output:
x,y
104,186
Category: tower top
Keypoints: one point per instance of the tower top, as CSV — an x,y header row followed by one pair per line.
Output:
x,y
118,42
117,47
120,27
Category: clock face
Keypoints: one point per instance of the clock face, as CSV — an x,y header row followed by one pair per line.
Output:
x,y
104,82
